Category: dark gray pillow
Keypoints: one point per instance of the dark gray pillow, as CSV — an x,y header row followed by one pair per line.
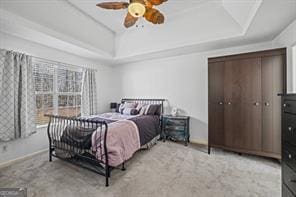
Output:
x,y
153,110
158,111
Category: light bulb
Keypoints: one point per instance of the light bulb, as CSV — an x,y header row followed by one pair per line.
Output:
x,y
136,9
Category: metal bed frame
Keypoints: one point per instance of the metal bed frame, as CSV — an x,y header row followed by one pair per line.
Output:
x,y
76,153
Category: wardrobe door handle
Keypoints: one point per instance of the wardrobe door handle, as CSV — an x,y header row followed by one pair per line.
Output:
x,y
290,128
290,156
256,104
229,103
220,103
284,105
267,104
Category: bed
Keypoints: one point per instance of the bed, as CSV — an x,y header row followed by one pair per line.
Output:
x,y
103,142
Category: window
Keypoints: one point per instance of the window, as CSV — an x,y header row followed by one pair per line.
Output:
x,y
58,90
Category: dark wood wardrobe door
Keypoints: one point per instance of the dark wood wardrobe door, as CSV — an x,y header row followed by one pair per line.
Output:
x,y
216,103
216,126
216,80
272,84
250,135
243,80
243,103
232,123
231,109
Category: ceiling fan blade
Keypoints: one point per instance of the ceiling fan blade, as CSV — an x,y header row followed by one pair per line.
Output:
x,y
113,5
130,20
154,16
156,2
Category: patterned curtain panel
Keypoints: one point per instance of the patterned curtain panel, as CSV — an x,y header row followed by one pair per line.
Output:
x,y
89,93
17,96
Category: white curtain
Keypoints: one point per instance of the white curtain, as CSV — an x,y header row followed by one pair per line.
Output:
x,y
89,93
17,96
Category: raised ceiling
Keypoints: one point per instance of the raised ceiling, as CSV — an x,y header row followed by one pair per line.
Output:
x,y
114,19
81,28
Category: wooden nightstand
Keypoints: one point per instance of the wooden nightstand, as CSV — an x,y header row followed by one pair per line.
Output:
x,y
175,128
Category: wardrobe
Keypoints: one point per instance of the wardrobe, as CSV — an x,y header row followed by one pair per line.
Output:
x,y
244,106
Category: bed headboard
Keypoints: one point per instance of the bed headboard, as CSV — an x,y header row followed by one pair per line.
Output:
x,y
145,101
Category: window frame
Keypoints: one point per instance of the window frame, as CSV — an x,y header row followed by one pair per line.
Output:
x,y
55,90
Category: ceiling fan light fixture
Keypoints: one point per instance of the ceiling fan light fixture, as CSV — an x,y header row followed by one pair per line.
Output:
x,y
137,9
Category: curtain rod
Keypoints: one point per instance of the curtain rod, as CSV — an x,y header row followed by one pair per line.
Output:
x,y
66,64
52,61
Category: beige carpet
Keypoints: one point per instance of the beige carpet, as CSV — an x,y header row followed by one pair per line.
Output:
x,y
168,169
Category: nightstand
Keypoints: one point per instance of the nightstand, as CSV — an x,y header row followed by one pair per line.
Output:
x,y
175,128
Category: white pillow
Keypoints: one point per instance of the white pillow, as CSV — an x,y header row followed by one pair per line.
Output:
x,y
130,111
126,105
130,105
121,107
143,109
147,108
139,106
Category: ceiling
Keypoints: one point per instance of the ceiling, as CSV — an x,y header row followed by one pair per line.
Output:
x,y
113,20
81,28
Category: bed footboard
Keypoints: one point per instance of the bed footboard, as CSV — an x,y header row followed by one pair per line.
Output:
x,y
72,140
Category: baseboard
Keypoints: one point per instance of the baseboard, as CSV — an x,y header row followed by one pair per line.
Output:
x,y
19,159
199,141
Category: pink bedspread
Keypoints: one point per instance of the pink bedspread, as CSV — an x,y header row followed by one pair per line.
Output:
x,y
123,141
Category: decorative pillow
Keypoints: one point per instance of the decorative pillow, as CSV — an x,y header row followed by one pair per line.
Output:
x,y
151,110
134,111
130,111
121,107
139,106
146,110
126,105
143,109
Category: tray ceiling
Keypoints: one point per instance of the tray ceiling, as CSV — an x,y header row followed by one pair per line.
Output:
x,y
113,19
79,27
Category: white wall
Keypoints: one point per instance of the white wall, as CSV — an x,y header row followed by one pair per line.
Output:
x,y
183,80
288,39
106,91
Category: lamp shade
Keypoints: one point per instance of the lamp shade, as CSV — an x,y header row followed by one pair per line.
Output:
x,y
113,105
136,9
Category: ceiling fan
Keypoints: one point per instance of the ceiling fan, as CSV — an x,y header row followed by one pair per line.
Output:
x,y
137,9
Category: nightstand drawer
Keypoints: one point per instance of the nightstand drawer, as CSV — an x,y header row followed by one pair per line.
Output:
x,y
174,127
175,122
